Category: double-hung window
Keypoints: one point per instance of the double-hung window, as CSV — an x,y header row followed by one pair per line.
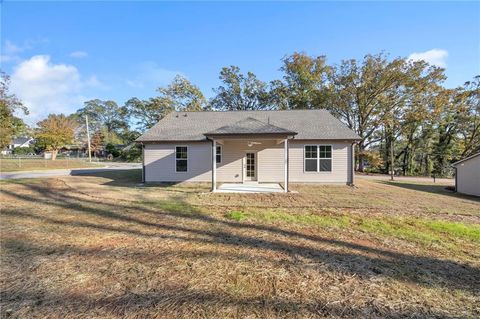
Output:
x,y
219,154
181,159
318,158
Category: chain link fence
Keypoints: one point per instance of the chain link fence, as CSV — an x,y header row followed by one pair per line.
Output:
x,y
33,162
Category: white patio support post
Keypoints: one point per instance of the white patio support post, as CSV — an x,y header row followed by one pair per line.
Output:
x,y
285,163
214,165
353,164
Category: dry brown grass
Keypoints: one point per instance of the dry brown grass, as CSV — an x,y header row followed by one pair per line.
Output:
x,y
103,246
12,165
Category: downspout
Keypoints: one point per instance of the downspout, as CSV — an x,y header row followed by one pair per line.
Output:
x,y
352,168
456,179
143,162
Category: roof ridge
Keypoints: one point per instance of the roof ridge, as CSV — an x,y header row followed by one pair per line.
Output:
x,y
466,158
232,111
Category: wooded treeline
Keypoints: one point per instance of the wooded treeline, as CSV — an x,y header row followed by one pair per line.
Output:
x,y
385,101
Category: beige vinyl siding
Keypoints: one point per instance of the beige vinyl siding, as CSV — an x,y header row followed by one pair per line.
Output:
x,y
269,160
160,162
341,159
468,176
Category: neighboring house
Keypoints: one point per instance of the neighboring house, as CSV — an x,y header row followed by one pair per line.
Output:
x,y
298,146
467,175
21,142
18,142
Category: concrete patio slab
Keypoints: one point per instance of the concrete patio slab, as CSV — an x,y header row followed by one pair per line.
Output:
x,y
250,188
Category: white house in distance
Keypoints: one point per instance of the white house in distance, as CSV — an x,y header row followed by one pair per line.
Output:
x,y
18,142
467,175
301,146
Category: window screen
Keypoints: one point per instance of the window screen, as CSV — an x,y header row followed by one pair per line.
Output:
x,y
181,158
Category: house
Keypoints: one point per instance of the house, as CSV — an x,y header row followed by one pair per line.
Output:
x,y
300,146
18,142
467,175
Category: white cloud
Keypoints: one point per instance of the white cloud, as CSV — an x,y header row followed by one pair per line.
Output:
x,y
11,51
150,74
435,57
45,87
11,48
9,58
79,54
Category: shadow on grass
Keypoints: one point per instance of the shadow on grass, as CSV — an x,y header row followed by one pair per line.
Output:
x,y
124,178
433,189
184,223
127,178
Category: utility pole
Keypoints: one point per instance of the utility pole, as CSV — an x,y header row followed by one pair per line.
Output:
x,y
88,140
392,172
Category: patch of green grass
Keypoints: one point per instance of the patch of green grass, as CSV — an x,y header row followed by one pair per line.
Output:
x,y
236,215
304,218
397,228
421,230
469,232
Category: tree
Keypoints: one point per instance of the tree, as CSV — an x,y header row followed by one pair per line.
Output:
x,y
378,97
183,95
451,106
413,109
304,84
469,126
180,95
55,132
98,140
11,125
146,113
102,114
240,92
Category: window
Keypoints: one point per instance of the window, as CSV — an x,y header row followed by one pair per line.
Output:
x,y
219,154
181,158
325,158
311,158
318,158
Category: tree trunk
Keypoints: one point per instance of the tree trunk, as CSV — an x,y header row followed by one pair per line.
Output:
x,y
392,159
405,162
358,154
54,154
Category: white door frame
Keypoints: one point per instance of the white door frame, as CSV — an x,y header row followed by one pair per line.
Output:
x,y
244,167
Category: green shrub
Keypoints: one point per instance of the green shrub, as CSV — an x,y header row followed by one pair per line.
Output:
x,y
132,153
24,150
111,149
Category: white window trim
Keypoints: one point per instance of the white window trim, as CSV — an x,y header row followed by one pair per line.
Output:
x,y
175,158
318,159
221,154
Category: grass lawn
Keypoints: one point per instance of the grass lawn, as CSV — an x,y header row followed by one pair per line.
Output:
x,y
11,165
104,246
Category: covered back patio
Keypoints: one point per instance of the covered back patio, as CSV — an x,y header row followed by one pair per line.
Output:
x,y
250,188
250,156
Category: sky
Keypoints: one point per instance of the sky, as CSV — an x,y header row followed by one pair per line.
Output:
x,y
60,54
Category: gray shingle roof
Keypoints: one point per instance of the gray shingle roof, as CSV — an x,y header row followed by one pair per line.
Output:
x,y
20,140
466,159
191,126
249,126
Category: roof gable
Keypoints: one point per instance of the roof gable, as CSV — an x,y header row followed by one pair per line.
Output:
x,y
192,126
21,140
466,159
249,126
